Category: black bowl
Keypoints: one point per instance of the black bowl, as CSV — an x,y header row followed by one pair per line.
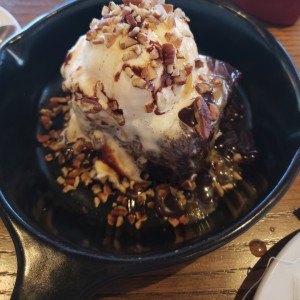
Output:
x,y
75,256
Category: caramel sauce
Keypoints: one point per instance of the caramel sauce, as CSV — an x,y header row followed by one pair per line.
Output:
x,y
186,115
258,247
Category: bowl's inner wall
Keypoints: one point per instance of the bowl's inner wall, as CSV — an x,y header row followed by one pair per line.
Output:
x,y
30,73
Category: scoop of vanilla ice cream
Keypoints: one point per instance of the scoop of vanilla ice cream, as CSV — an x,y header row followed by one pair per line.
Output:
x,y
130,76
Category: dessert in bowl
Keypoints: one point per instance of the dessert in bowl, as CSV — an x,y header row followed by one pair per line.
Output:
x,y
144,116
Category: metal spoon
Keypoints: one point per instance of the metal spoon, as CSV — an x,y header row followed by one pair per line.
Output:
x,y
6,31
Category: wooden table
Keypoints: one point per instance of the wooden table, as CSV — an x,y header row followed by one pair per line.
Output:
x,y
226,273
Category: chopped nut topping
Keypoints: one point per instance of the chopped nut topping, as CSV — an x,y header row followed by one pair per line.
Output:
x,y
237,157
154,54
118,116
171,22
142,38
131,20
155,63
43,138
149,107
56,146
102,23
127,42
174,39
113,104
134,2
99,40
236,175
168,7
129,55
181,79
126,11
148,73
169,53
214,110
203,118
188,69
59,99
105,10
129,72
110,38
46,122
170,69
188,185
217,81
134,31
139,83
203,87
91,34
198,63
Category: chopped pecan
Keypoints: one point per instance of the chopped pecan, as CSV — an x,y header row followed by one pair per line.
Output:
x,y
134,32
170,69
168,7
203,118
149,107
171,37
102,23
154,54
46,112
148,73
119,211
142,38
214,110
105,11
61,100
134,2
113,104
46,122
139,83
120,221
49,157
131,20
184,220
129,72
92,104
173,221
99,40
126,11
171,22
168,81
43,138
203,87
56,146
110,39
129,55
91,35
181,78
188,68
169,53
134,52
188,185
118,116
127,42
198,63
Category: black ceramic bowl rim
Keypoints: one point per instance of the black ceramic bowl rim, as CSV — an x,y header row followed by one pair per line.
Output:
x,y
184,253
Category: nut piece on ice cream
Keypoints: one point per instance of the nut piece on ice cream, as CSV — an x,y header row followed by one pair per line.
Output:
x,y
142,94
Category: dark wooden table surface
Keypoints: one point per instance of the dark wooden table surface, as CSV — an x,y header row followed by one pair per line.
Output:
x,y
226,273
